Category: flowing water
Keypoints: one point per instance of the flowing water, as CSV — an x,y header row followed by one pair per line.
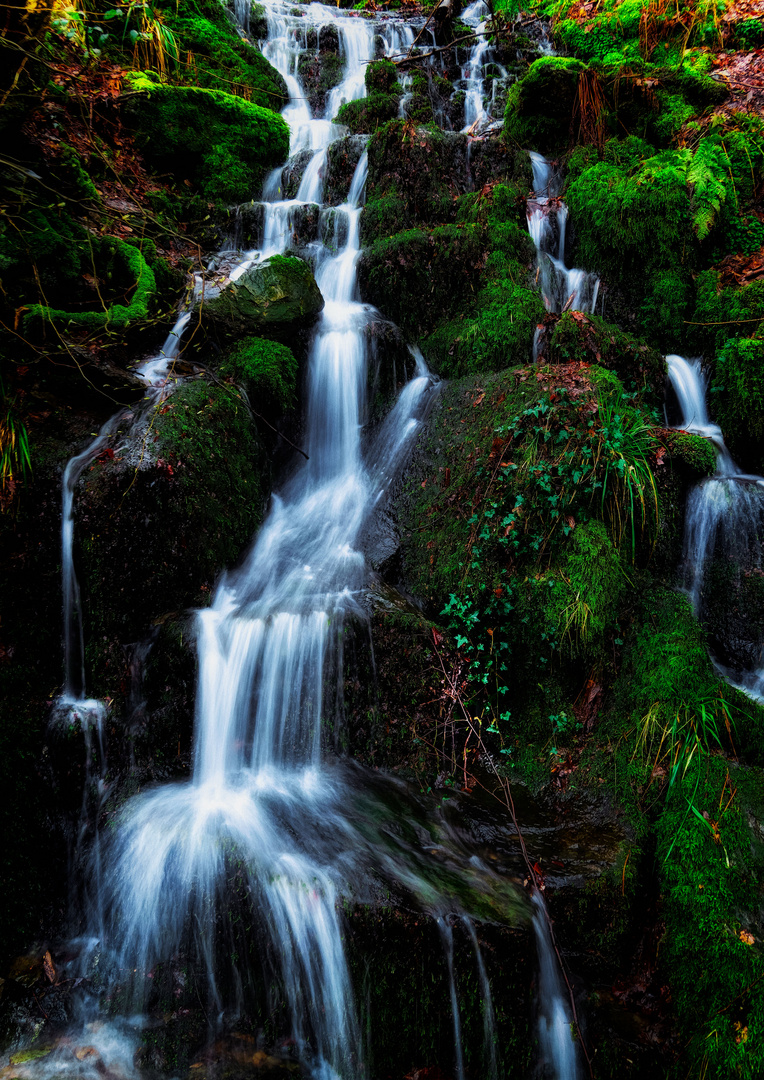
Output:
x,y
562,289
297,831
725,512
558,1049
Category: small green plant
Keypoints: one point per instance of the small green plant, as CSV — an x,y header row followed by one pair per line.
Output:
x,y
15,458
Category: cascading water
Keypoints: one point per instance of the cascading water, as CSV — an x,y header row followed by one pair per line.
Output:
x,y
558,1050
473,80
724,512
561,289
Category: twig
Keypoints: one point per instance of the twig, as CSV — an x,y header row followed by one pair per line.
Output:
x,y
408,59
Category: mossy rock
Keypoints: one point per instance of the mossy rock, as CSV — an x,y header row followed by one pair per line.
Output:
x,y
321,69
539,112
418,277
278,294
222,58
381,77
222,143
732,610
368,114
341,161
697,455
576,336
156,523
268,372
127,262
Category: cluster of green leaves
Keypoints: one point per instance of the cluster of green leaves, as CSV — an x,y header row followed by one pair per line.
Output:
x,y
15,459
567,485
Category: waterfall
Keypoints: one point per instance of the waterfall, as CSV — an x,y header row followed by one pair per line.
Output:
x,y
477,15
562,289
725,511
447,936
559,1059
725,508
489,1019
298,831
265,645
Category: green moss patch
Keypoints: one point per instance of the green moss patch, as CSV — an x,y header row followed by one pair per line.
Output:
x,y
267,369
222,60
199,500
127,261
221,142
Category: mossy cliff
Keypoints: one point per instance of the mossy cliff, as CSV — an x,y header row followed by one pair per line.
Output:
x,y
526,621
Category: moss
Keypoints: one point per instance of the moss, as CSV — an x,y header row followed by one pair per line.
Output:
x,y
417,277
577,337
279,296
221,59
381,77
369,113
539,109
696,454
199,494
499,335
740,371
115,317
429,170
221,142
384,216
267,369
589,582
711,901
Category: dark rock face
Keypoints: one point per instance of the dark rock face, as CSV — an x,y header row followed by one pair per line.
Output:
x,y
291,174
342,159
321,67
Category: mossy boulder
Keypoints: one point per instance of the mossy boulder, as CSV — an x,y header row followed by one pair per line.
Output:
x,y
540,106
279,294
267,370
321,66
417,277
222,143
222,57
117,260
368,114
576,336
195,476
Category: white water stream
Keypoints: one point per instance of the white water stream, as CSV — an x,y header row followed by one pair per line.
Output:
x,y
724,512
562,289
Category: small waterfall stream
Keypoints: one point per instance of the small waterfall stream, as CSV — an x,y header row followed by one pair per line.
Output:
x,y
562,289
301,831
724,512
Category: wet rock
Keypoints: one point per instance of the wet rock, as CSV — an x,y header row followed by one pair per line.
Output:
x,y
274,294
291,174
305,226
195,477
247,225
321,67
342,158
391,364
